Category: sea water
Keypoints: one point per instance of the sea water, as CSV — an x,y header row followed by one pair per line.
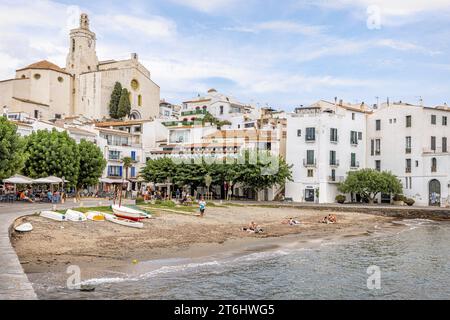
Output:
x,y
413,263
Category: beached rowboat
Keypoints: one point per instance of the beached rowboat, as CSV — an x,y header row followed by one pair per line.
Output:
x,y
75,216
129,213
26,227
53,216
95,216
123,222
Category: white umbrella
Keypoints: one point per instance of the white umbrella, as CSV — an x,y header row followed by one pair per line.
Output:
x,y
48,180
18,179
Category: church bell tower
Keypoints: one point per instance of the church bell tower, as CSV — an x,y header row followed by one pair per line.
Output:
x,y
82,56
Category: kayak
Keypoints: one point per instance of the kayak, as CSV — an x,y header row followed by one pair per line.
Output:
x,y
129,213
53,216
26,227
75,216
95,216
123,222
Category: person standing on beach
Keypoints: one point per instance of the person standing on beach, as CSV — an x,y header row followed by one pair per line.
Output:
x,y
202,205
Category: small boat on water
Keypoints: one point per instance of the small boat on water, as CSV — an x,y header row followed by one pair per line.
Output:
x,y
26,227
129,213
54,216
123,222
95,216
75,216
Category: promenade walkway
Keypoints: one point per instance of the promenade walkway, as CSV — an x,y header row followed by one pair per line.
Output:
x,y
14,283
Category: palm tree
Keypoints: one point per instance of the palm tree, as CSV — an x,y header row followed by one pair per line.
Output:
x,y
127,163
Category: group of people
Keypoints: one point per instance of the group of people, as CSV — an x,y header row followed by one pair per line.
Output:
x,y
329,219
50,196
253,227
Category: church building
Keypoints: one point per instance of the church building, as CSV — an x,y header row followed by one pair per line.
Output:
x,y
45,91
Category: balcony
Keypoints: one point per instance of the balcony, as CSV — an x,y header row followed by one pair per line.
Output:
x,y
335,141
309,164
408,170
408,150
310,139
354,166
334,164
194,112
336,179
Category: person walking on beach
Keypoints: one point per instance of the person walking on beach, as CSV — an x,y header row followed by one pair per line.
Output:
x,y
202,205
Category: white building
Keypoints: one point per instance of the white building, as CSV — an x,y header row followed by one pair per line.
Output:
x,y
222,107
47,91
324,142
412,142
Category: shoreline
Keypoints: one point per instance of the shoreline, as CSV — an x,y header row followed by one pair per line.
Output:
x,y
96,246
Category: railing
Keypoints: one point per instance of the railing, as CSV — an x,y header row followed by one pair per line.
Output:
x,y
310,139
433,169
194,112
435,150
354,165
408,170
335,163
307,163
336,179
408,150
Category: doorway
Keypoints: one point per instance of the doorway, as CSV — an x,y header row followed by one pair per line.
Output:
x,y
434,193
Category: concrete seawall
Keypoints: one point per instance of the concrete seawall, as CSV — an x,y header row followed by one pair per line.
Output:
x,y
14,283
404,212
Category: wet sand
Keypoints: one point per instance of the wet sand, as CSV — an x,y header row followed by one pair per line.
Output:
x,y
52,246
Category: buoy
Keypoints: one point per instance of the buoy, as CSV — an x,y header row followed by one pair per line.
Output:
x,y
135,261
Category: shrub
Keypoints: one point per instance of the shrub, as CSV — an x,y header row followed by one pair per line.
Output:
x,y
399,197
158,202
340,198
140,200
168,203
410,202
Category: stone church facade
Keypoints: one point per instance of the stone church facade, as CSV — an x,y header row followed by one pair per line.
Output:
x,y
46,91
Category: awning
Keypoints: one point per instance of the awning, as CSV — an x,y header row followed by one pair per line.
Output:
x,y
112,181
49,180
18,179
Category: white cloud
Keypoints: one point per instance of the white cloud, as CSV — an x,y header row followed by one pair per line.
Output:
x,y
150,26
208,6
282,26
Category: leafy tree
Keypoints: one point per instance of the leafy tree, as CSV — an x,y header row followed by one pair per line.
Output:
x,y
158,170
92,164
127,163
262,170
369,183
52,153
124,108
11,146
114,102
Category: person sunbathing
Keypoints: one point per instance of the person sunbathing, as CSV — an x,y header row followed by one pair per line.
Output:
x,y
293,222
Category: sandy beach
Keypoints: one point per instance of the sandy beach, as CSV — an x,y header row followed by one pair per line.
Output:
x,y
52,245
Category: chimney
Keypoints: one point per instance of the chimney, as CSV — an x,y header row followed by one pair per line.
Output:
x,y
341,102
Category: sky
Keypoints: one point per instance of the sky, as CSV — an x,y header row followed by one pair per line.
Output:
x,y
282,53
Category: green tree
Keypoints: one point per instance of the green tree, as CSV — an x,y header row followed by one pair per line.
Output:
x,y
92,164
369,183
158,170
11,147
52,153
124,108
259,171
127,163
114,102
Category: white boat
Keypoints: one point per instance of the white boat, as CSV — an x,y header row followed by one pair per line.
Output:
x,y
123,222
26,227
129,213
53,215
75,216
95,216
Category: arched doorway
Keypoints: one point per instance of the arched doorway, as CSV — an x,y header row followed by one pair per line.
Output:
x,y
135,115
434,193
